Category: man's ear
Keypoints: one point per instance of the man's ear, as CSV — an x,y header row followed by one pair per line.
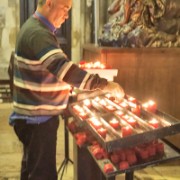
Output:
x,y
48,3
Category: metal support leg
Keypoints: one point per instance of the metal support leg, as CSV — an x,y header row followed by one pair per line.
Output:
x,y
129,175
66,146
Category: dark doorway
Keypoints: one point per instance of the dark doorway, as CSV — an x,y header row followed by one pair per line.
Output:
x,y
27,8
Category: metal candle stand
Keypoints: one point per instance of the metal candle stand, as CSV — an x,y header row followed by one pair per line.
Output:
x,y
85,155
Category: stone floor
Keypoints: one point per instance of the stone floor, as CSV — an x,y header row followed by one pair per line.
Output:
x,y
11,151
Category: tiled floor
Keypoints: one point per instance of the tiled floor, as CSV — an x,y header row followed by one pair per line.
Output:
x,y
10,156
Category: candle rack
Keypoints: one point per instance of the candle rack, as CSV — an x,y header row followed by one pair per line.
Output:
x,y
141,133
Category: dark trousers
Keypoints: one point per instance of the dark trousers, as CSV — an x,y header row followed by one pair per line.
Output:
x,y
39,144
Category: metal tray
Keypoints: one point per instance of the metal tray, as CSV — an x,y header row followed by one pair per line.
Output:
x,y
170,153
114,140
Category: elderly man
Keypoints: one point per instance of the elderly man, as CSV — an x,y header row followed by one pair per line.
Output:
x,y
42,79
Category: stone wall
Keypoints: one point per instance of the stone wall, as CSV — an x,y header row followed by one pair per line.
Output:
x,y
83,24
9,26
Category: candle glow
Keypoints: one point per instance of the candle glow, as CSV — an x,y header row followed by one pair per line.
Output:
x,y
95,123
132,99
154,122
126,131
114,123
132,121
150,106
103,102
124,105
126,117
87,102
102,131
120,113
92,65
110,108
78,109
83,115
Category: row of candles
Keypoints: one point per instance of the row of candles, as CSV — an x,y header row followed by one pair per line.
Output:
x,y
125,130
92,65
94,121
115,123
131,104
135,109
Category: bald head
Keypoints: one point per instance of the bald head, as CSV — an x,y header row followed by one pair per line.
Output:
x,y
42,2
56,11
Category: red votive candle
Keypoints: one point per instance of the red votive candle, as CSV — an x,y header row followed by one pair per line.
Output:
x,y
150,106
132,121
154,123
110,97
120,113
108,168
95,123
116,101
98,153
97,99
81,138
124,105
77,108
114,123
144,154
103,102
123,165
83,115
132,99
160,148
132,159
152,150
102,131
126,117
87,103
110,108
135,109
126,131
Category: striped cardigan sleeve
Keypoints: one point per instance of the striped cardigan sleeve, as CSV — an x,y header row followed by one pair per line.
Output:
x,y
57,63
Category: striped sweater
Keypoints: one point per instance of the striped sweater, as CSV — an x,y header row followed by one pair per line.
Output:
x,y
43,75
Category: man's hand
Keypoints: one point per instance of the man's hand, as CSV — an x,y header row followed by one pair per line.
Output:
x,y
115,89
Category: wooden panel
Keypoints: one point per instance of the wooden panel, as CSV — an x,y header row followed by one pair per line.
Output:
x,y
150,74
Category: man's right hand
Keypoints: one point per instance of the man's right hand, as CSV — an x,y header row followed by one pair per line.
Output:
x,y
115,89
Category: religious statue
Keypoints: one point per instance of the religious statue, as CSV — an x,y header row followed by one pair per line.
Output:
x,y
142,23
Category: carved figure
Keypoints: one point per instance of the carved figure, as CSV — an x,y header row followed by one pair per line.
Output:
x,y
151,20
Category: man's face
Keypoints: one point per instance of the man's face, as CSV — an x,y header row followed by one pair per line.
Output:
x,y
59,11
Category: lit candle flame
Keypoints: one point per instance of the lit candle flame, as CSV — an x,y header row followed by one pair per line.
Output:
x,y
110,107
87,102
123,104
103,102
114,120
131,99
153,121
132,105
126,117
131,119
120,113
151,102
